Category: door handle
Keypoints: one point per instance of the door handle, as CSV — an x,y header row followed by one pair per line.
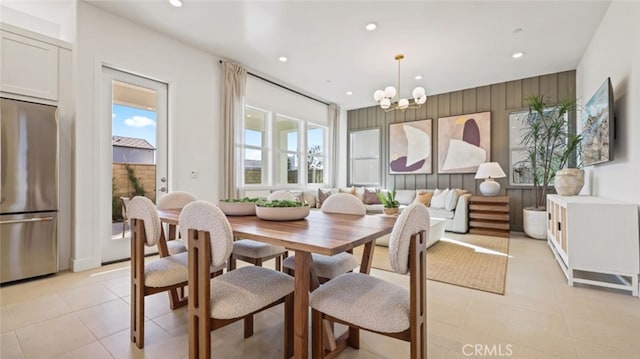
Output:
x,y
163,189
28,220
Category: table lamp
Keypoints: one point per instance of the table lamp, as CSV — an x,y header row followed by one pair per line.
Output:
x,y
488,171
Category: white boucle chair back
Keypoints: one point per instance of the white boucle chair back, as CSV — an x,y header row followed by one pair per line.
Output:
x,y
281,195
205,216
142,208
344,203
413,219
176,199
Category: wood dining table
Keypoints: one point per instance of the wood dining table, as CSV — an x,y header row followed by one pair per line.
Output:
x,y
321,233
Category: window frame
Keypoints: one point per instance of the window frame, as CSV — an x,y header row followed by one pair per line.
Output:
x,y
352,158
271,152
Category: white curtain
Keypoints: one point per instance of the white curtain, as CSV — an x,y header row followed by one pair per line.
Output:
x,y
234,81
334,122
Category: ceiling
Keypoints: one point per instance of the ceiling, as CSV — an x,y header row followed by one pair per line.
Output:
x,y
454,45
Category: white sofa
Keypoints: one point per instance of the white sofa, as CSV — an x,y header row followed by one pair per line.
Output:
x,y
455,214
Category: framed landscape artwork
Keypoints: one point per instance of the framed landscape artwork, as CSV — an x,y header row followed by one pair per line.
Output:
x,y
597,126
410,147
464,142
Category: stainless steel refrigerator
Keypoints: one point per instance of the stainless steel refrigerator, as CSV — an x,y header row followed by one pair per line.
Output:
x,y
28,190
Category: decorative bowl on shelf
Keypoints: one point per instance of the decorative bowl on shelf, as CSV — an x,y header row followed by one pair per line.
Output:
x,y
281,210
238,207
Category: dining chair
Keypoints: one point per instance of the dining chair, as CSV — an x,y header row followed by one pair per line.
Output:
x,y
328,267
256,252
169,273
124,202
174,200
230,297
364,302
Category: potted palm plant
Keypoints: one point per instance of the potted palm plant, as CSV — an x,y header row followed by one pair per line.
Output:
x,y
388,200
549,147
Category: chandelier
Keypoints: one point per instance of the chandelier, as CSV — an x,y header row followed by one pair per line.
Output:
x,y
385,97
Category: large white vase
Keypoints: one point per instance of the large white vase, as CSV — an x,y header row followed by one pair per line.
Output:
x,y
535,223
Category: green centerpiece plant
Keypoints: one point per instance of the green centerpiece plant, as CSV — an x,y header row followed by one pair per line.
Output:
x,y
279,203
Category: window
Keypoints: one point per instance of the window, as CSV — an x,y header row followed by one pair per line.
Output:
x,y
288,145
282,151
255,130
364,161
315,154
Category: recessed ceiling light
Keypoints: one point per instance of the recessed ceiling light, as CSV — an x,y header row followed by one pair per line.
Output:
x,y
517,55
283,58
371,26
176,3
349,93
515,31
419,77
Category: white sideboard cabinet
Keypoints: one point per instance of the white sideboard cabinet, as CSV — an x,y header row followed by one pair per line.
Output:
x,y
595,240
29,67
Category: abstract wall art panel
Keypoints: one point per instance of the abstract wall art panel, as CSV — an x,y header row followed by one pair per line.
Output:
x,y
410,147
464,142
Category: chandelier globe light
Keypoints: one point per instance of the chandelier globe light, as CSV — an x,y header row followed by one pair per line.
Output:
x,y
386,98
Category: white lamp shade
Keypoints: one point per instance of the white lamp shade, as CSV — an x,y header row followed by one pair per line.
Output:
x,y
389,92
421,100
403,103
385,103
490,170
378,95
418,92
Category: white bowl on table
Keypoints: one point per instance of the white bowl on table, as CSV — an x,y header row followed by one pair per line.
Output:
x,y
282,213
238,208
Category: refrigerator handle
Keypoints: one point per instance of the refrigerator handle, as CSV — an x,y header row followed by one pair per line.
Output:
x,y
40,219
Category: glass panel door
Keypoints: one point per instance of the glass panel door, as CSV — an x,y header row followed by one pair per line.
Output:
x,y
137,110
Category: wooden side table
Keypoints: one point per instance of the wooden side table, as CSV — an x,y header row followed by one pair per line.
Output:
x,y
489,215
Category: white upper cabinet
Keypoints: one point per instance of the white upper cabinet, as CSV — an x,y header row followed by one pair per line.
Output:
x,y
28,67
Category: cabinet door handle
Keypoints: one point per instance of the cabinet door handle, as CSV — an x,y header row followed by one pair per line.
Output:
x,y
559,226
549,214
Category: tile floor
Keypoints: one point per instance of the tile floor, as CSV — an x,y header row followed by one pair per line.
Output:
x,y
86,315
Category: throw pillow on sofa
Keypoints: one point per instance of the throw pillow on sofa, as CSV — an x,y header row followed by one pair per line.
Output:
x,y
439,199
351,190
423,197
370,197
452,198
322,196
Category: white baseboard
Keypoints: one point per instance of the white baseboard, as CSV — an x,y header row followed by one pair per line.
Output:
x,y
82,264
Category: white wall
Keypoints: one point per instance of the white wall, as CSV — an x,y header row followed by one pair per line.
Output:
x,y
194,117
614,51
51,18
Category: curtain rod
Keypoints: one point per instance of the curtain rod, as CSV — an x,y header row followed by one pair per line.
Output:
x,y
284,87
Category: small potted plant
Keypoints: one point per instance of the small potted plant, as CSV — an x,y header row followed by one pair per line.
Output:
x,y
388,200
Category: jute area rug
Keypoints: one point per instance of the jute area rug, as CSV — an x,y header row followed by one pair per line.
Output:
x,y
469,260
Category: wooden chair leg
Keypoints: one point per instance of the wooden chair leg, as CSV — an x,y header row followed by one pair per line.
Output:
x,y
317,345
288,326
137,283
137,316
231,264
279,263
354,338
258,262
248,326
